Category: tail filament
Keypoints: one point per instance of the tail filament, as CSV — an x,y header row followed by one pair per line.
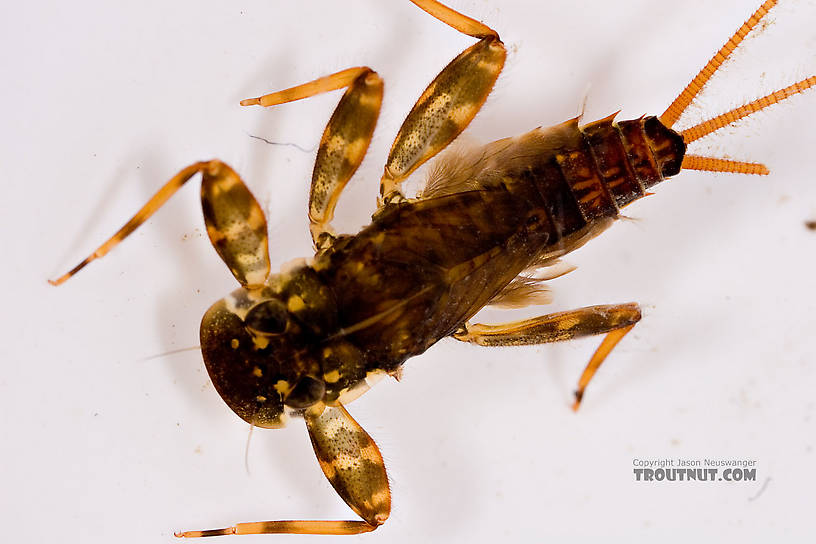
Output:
x,y
686,97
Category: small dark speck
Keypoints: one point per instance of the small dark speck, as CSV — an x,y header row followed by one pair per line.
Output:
x,y
811,225
761,489
96,414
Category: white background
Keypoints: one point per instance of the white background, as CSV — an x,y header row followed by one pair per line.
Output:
x,y
103,101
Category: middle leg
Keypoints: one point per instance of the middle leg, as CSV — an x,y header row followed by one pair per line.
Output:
x,y
344,142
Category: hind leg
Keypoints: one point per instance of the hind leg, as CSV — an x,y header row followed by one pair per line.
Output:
x,y
614,320
448,104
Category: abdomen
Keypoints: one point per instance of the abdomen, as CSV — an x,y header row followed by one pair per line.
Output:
x,y
424,267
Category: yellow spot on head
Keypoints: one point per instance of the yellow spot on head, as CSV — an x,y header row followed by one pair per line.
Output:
x,y
234,343
282,387
257,372
260,398
331,377
295,304
260,341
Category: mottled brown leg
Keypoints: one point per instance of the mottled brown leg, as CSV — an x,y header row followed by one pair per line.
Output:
x,y
448,104
234,220
615,320
141,216
339,80
344,142
351,461
235,224
354,466
291,527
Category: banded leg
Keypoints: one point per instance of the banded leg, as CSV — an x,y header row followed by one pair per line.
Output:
x,y
345,139
615,320
449,103
235,222
353,464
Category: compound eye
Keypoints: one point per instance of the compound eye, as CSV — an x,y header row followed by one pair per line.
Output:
x,y
267,318
307,391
